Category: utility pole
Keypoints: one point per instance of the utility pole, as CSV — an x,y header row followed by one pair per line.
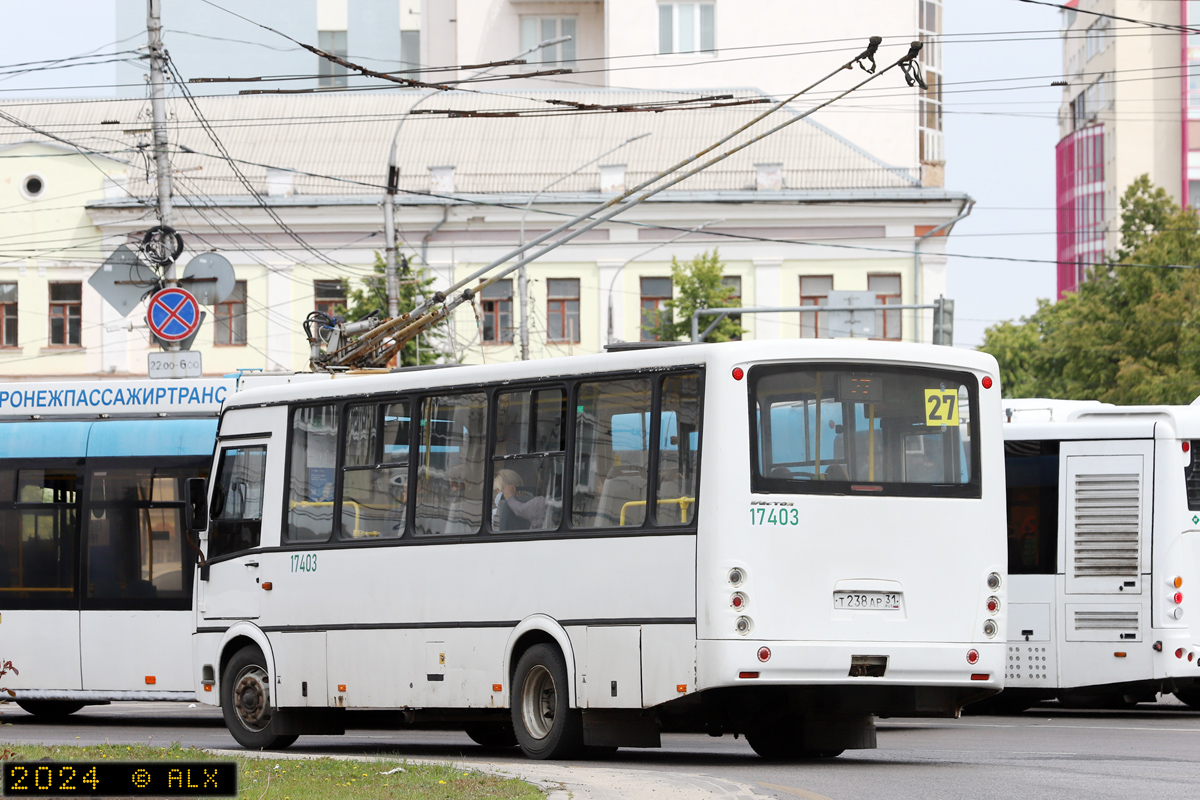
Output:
x,y
162,164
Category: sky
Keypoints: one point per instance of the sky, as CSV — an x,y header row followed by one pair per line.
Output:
x,y
999,141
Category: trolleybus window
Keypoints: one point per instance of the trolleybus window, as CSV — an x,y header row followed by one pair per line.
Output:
x,y
450,465
311,473
677,456
832,430
1031,470
612,441
374,483
528,460
37,537
134,545
1191,478
237,501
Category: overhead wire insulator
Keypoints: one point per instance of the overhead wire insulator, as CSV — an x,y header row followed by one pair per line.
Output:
x,y
868,55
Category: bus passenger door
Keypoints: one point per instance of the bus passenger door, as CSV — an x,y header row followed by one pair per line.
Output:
x,y
233,588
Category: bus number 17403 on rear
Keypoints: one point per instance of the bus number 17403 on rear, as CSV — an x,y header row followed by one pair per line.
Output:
x,y
774,516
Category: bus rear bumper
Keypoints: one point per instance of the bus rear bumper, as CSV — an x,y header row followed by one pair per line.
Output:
x,y
860,665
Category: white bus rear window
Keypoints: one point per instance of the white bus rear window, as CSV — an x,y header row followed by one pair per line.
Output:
x,y
839,430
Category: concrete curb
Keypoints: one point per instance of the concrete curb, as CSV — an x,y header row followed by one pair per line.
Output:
x,y
563,781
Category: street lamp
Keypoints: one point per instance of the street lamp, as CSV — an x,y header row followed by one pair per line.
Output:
x,y
393,182
613,282
522,278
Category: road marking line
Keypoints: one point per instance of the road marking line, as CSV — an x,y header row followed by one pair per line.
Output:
x,y
807,795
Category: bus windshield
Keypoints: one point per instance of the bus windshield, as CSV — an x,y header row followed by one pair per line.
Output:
x,y
824,429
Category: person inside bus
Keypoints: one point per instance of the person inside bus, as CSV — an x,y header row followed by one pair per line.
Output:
x,y
516,510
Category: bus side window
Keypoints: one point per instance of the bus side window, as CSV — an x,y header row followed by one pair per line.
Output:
x,y
236,512
37,533
374,492
450,465
678,449
528,460
311,473
612,442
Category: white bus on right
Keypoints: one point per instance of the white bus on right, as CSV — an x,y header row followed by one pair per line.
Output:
x,y
1103,552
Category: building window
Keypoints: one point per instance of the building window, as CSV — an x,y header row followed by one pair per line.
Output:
x,y
410,34
1097,37
540,29
686,27
734,284
231,317
929,119
886,289
8,315
1079,167
655,294
329,297
65,314
814,291
329,73
497,313
562,309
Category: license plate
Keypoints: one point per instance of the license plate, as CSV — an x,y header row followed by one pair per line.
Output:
x,y
868,601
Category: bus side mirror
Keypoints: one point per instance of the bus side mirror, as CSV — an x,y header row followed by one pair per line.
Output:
x,y
195,509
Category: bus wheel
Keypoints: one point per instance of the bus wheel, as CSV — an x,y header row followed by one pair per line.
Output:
x,y
778,743
545,724
1190,696
50,709
492,735
246,702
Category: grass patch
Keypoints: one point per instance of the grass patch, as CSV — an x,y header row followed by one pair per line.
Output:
x,y
310,779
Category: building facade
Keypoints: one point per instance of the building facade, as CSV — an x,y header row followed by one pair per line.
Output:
x,y
774,46
1128,109
800,214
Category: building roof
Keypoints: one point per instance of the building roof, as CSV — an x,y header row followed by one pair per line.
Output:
x,y
342,139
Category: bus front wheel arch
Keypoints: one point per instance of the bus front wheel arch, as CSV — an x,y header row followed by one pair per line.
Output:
x,y
246,701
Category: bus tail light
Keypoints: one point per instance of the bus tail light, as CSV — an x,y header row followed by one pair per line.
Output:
x,y
981,676
764,654
738,373
993,581
1178,582
1177,613
738,601
743,625
746,675
972,656
1177,598
993,605
1179,653
737,576
987,382
989,629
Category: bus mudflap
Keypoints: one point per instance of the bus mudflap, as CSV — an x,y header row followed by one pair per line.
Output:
x,y
620,727
308,721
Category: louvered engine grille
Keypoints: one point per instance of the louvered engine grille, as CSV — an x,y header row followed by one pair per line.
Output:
x,y
1106,525
1106,620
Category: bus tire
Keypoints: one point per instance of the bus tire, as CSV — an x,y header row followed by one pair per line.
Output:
x,y
543,720
492,735
1189,696
246,702
780,742
50,709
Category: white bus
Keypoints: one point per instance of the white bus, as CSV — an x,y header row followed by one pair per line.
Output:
x,y
1103,549
779,539
95,565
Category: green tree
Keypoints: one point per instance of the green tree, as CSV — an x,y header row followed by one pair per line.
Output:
x,y
699,283
415,285
1131,333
